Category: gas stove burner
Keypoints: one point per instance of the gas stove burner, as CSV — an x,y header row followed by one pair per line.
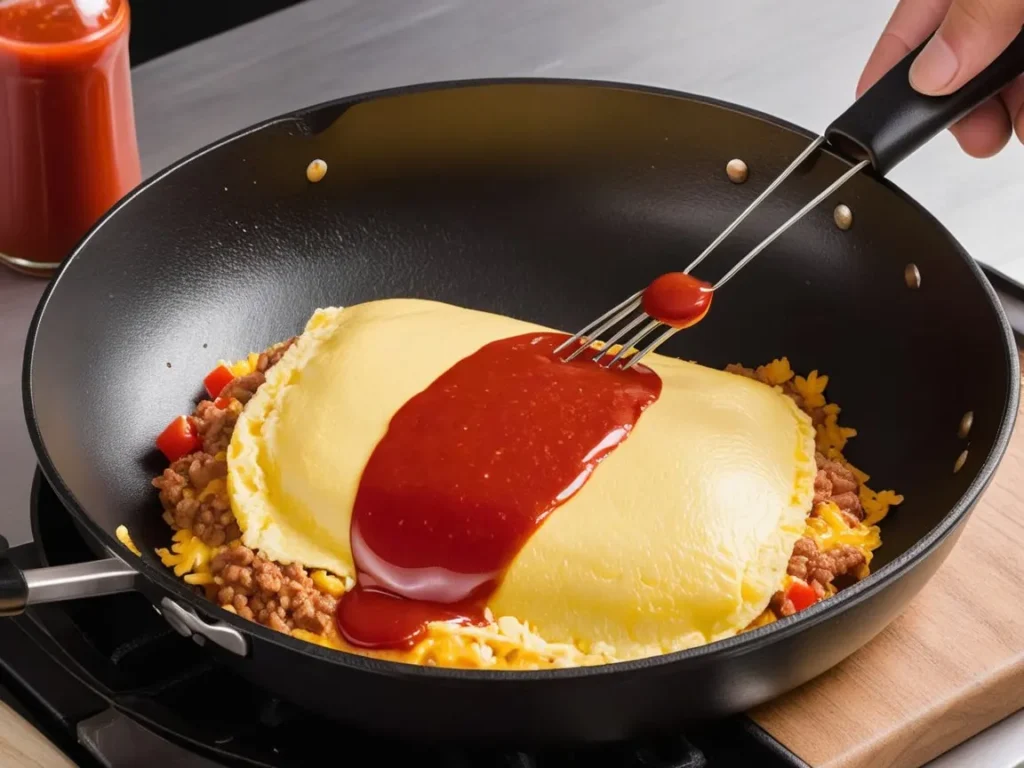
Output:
x,y
111,683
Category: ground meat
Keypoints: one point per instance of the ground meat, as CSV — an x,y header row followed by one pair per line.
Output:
x,y
280,597
215,424
209,518
810,564
204,469
837,484
244,387
172,484
272,356
817,568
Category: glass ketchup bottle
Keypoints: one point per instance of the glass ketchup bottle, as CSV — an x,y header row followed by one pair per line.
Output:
x,y
68,149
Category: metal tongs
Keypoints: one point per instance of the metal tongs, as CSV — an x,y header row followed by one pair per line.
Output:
x,y
889,122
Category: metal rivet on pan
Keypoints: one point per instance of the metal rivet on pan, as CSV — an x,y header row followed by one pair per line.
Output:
x,y
965,425
843,216
736,170
316,170
960,461
912,275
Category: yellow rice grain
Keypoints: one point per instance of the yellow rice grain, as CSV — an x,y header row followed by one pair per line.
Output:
x,y
188,554
876,505
777,372
122,535
811,389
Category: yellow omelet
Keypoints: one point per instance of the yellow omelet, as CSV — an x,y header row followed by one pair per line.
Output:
x,y
679,538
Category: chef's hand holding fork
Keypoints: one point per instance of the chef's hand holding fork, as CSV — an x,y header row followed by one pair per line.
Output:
x,y
971,33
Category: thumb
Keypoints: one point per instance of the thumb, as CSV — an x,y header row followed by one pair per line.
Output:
x,y
973,33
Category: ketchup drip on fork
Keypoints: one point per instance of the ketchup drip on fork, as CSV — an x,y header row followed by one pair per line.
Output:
x,y
677,299
468,470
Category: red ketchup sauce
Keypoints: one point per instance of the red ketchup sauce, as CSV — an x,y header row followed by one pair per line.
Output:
x,y
469,468
677,299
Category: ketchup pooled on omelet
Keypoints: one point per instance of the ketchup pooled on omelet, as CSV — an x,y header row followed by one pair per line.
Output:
x,y
468,469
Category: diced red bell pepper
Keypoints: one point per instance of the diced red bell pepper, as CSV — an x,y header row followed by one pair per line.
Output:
x,y
217,379
801,595
222,402
179,439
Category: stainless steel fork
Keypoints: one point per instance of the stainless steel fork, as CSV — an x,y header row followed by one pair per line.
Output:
x,y
886,124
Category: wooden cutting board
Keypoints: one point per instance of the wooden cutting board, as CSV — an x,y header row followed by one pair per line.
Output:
x,y
22,746
949,667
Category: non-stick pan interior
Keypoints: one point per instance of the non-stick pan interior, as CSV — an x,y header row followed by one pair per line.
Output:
x,y
545,201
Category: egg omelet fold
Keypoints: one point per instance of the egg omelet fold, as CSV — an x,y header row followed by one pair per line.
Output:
x,y
679,538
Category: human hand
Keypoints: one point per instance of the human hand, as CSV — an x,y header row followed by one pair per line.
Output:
x,y
971,33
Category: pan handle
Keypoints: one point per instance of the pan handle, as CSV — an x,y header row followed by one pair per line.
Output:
x,y
891,120
20,589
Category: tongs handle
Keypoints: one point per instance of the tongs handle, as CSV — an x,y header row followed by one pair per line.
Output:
x,y
891,120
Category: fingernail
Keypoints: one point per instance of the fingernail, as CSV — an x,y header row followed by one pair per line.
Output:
x,y
935,67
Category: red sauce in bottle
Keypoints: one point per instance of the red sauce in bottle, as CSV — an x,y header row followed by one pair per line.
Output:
x,y
67,130
469,468
677,299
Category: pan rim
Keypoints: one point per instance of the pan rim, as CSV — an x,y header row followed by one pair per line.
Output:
x,y
734,646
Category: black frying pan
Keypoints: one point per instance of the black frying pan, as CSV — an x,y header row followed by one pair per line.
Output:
x,y
551,201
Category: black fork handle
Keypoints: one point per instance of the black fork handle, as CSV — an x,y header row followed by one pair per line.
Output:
x,y
891,120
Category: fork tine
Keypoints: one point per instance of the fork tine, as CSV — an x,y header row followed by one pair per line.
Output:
x,y
850,173
797,162
601,329
649,348
633,342
586,329
625,329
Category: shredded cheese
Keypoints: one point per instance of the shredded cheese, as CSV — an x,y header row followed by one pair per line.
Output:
x,y
329,583
830,529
